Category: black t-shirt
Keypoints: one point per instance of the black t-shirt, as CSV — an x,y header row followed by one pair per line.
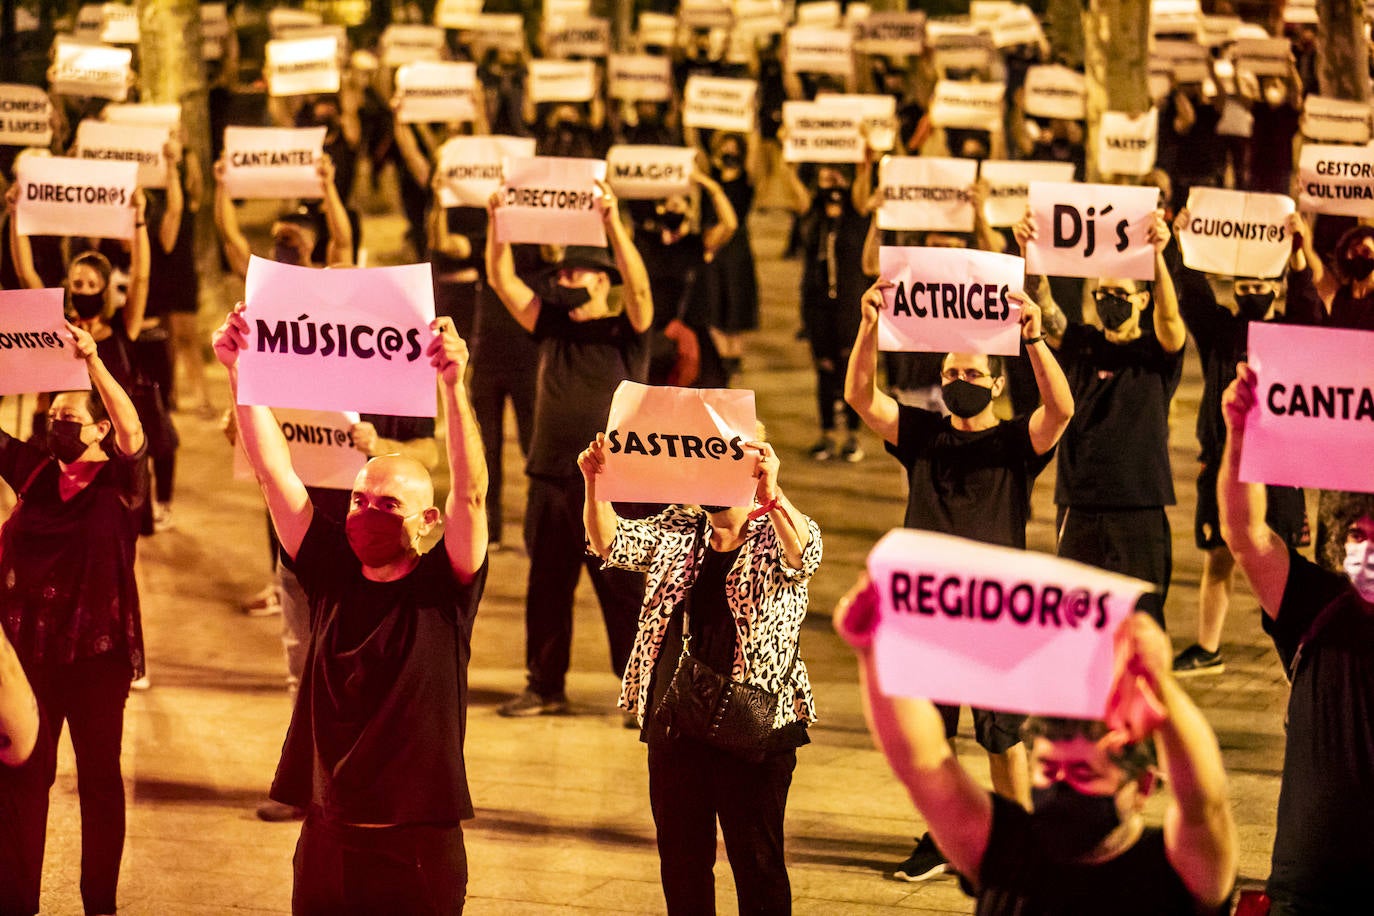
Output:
x,y
675,277
1017,879
1324,843
580,365
971,484
1349,312
376,736
23,818
173,283
1115,453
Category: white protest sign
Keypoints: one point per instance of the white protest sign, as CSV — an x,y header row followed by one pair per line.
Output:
x,y
680,445
96,71
976,106
1237,234
964,622
815,50
1263,56
1017,26
820,13
1056,91
1175,17
119,25
36,349
166,116
1008,186
139,144
90,20
436,91
950,300
282,20
567,8
754,18
59,195
348,339
583,36
1127,145
1313,420
958,47
561,80
551,200
1335,120
640,77
214,21
1300,12
926,192
1188,61
657,29
886,32
704,14
1336,179
1092,230
321,447
302,66
878,114
273,162
25,115
408,44
457,14
1160,80
818,132
986,12
501,31
1216,30
471,169
649,172
719,103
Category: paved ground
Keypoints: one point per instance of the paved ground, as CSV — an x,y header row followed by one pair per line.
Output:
x,y
563,823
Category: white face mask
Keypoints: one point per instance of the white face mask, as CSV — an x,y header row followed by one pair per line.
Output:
x,y
1359,566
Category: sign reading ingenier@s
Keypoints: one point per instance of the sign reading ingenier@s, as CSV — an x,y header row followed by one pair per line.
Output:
x,y
963,622
950,300
349,339
680,445
36,349
1092,230
1313,420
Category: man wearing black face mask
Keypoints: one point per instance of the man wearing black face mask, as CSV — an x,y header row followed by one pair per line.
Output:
x,y
1114,476
970,475
1084,848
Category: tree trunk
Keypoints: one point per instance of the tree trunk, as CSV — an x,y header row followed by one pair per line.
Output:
x,y
1066,31
1342,53
1116,37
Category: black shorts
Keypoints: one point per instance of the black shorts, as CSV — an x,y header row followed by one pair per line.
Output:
x,y
996,732
1286,510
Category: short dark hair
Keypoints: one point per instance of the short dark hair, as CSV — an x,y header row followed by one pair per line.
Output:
x,y
300,221
997,365
1338,512
1134,759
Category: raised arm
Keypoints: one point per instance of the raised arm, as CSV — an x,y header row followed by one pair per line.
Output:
x,y
877,408
18,709
1052,417
1170,330
727,221
136,301
513,292
170,227
465,512
128,429
598,515
911,735
793,532
1259,550
1053,322
416,162
340,250
21,249
801,194
636,296
263,443
231,237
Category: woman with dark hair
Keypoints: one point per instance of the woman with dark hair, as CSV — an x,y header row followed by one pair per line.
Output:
x,y
69,601
732,280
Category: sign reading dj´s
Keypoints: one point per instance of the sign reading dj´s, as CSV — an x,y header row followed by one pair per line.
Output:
x,y
1313,420
59,195
350,339
963,622
1092,230
680,445
1237,234
551,200
950,300
36,350
273,162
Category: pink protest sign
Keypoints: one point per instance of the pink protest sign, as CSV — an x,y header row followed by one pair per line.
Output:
x,y
1313,421
350,339
680,445
995,627
550,200
1092,230
950,300
36,350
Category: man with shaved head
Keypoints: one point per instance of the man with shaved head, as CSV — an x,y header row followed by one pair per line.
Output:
x,y
375,747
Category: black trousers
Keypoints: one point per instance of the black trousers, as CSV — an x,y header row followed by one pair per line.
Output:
x,y
1133,542
691,786
360,871
89,695
556,542
491,385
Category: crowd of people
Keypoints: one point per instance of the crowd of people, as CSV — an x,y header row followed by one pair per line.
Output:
x,y
378,588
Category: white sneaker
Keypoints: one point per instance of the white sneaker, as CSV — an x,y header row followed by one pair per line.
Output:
x,y
162,517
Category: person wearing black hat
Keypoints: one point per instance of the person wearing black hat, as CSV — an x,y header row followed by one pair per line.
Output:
x,y
588,344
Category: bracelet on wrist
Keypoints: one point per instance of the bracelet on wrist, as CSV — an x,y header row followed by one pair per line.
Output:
x,y
764,509
1035,340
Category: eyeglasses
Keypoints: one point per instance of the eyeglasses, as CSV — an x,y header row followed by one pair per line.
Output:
x,y
968,375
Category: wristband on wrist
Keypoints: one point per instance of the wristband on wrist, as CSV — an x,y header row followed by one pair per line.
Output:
x,y
764,509
1035,340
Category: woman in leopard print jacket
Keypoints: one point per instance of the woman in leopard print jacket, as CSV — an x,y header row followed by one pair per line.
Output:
x,y
739,578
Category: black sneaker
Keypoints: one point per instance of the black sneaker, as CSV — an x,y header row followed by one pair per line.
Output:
x,y
529,703
925,862
1196,660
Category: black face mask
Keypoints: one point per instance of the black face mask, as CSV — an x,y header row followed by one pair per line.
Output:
x,y
64,440
671,220
711,510
1254,306
567,297
730,161
1114,311
286,254
1357,266
1067,824
965,399
88,305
